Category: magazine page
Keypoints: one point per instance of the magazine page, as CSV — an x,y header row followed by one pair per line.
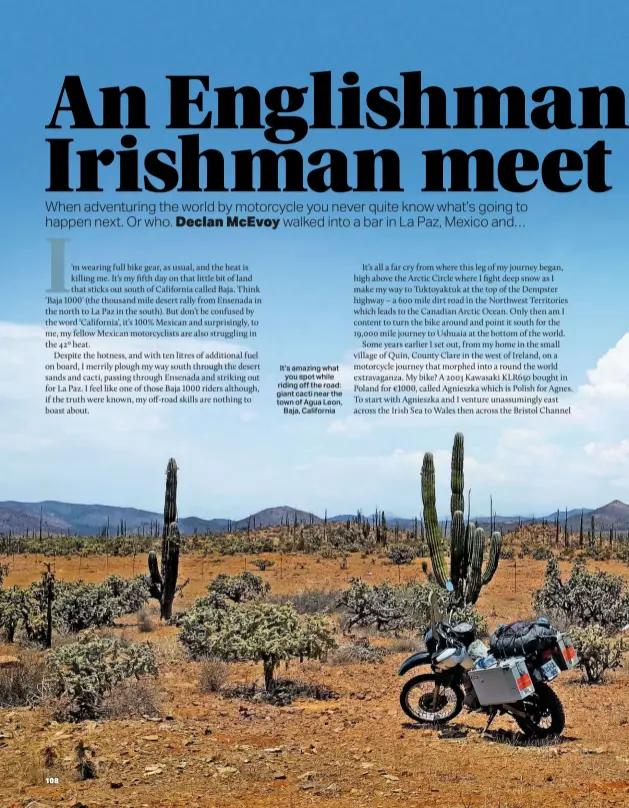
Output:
x,y
314,378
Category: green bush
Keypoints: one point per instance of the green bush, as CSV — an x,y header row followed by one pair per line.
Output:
x,y
129,594
76,606
380,605
208,611
79,676
597,651
79,605
407,606
263,632
32,603
10,612
401,554
239,588
584,599
312,601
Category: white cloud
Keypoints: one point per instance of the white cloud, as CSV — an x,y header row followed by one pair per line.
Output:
x,y
578,459
609,380
527,464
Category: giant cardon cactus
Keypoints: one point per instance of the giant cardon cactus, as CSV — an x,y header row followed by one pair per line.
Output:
x,y
467,542
163,584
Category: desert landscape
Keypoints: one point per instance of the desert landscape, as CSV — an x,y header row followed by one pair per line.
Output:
x,y
211,717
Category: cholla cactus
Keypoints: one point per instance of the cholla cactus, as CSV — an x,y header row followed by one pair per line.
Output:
x,y
10,612
239,588
82,674
467,543
263,632
585,598
401,554
597,651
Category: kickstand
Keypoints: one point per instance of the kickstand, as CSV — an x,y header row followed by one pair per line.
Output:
x,y
492,715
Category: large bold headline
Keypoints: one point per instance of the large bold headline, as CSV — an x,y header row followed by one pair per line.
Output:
x,y
285,115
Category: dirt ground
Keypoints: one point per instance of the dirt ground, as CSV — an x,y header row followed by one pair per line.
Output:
x,y
357,750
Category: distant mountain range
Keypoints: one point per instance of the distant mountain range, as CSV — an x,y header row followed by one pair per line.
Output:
x,y
86,520
91,520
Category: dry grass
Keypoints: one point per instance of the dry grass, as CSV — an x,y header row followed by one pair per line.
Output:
x,y
213,675
312,601
145,621
405,645
21,684
132,698
354,653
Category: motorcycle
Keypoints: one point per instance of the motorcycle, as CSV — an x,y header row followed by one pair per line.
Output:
x,y
465,673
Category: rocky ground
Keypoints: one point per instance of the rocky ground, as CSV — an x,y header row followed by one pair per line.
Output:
x,y
354,750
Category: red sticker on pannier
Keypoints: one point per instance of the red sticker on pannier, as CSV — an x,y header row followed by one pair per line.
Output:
x,y
524,681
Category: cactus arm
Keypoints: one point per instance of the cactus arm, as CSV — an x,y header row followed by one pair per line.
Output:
x,y
433,533
469,540
464,567
155,585
436,555
457,500
457,551
494,557
474,583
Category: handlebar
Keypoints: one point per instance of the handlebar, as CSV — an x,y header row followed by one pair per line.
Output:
x,y
444,633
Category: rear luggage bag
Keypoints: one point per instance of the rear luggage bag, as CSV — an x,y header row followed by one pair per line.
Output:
x,y
523,638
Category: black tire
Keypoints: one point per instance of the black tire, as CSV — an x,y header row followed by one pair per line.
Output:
x,y
545,705
423,718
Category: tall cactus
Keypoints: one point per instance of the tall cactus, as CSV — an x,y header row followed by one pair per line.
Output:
x,y
163,585
467,542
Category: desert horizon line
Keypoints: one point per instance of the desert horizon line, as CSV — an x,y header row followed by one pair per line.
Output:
x,y
16,504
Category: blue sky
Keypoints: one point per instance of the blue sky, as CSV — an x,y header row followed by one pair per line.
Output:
x,y
234,462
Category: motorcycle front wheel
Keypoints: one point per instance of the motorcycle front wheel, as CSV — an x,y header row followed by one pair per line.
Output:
x,y
425,700
545,714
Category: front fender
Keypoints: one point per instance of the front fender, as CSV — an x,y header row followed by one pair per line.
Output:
x,y
420,658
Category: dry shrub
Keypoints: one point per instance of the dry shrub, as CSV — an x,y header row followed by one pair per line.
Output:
x,y
354,653
597,651
145,621
132,698
30,771
21,683
213,675
312,601
405,645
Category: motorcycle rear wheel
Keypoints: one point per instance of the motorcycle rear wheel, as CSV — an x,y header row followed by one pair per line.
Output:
x,y
417,699
546,716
